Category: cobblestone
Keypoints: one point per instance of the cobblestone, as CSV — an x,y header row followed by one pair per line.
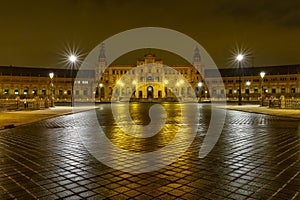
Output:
x,y
256,157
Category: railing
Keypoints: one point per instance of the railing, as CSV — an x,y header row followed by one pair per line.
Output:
x,y
24,104
292,103
8,105
284,103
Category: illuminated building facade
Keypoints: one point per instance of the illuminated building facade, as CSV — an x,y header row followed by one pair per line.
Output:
x,y
149,79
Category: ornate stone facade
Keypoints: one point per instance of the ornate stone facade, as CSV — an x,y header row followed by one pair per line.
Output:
x,y
149,79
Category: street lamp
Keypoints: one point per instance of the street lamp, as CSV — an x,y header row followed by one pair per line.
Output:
x,y
200,84
72,58
248,83
51,75
239,59
100,88
262,75
166,82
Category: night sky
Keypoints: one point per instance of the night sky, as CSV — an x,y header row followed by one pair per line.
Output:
x,y
36,33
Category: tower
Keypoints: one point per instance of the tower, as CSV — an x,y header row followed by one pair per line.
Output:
x,y
101,62
197,62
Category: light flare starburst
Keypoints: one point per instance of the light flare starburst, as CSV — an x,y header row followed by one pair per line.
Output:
x,y
71,56
241,54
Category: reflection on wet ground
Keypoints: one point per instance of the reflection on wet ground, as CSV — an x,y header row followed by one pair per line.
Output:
x,y
257,156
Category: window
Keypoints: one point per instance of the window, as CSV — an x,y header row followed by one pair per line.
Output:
x,y
85,92
69,92
273,90
214,91
44,92
293,90
230,91
16,92
255,90
25,91
77,92
60,92
282,90
247,91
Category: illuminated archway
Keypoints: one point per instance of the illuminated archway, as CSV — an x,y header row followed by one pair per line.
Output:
x,y
150,92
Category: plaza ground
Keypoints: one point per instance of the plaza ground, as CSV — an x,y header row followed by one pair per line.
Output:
x,y
256,157
265,110
17,118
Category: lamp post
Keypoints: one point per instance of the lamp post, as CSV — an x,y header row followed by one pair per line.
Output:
x,y
248,83
72,59
166,82
239,59
51,75
200,84
262,75
100,88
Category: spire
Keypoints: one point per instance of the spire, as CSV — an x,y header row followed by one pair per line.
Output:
x,y
102,57
101,62
197,57
197,62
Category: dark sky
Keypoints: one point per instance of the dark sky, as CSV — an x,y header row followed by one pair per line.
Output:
x,y
35,32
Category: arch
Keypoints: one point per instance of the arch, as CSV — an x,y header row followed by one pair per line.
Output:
x,y
150,92
159,94
128,91
102,92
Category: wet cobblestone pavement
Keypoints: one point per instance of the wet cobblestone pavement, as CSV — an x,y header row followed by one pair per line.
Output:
x,y
256,157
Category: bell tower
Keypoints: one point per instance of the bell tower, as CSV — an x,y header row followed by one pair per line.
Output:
x,y
101,62
197,62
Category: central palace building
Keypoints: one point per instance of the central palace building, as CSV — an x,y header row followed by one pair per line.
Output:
x,y
150,80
